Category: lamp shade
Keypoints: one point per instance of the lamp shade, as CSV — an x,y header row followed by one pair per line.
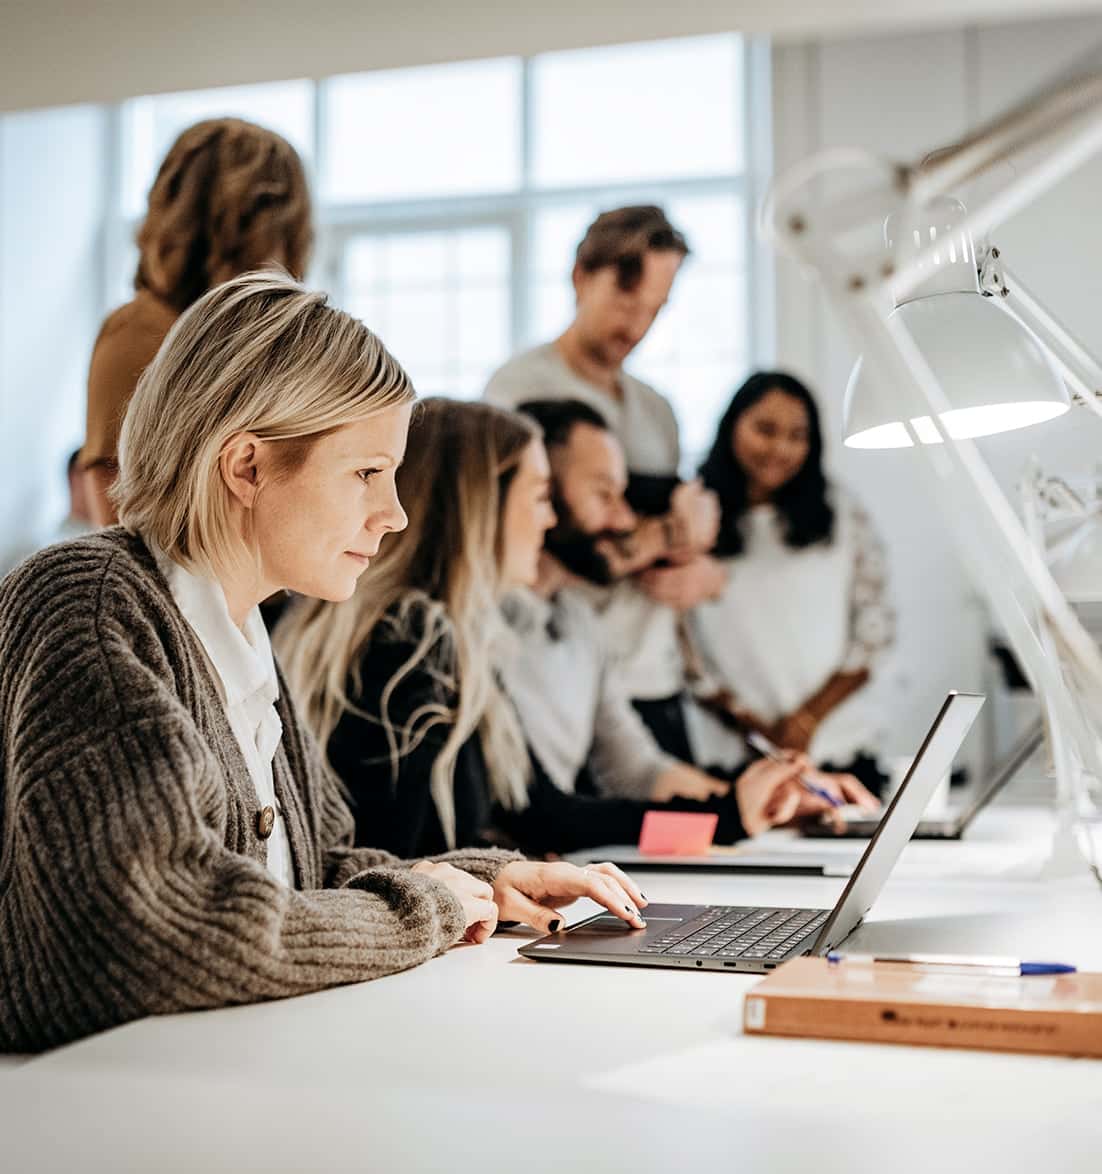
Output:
x,y
994,373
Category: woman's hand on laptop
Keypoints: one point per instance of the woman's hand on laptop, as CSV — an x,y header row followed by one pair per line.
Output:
x,y
534,892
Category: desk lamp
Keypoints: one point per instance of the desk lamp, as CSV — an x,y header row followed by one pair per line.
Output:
x,y
954,346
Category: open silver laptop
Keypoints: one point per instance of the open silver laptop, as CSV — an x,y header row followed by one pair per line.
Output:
x,y
759,938
752,859
952,825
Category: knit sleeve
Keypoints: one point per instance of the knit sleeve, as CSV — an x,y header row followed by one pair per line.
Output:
x,y
872,617
119,894
123,901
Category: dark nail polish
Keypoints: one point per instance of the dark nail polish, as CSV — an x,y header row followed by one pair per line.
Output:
x,y
554,926
643,895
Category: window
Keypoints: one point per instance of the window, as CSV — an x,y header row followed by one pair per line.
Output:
x,y
637,112
439,299
436,132
450,200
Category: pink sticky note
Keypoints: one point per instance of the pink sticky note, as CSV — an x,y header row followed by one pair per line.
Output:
x,y
677,833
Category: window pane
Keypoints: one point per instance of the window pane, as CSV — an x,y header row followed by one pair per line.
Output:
x,y
439,299
556,232
699,393
647,111
434,131
550,309
714,226
151,125
482,319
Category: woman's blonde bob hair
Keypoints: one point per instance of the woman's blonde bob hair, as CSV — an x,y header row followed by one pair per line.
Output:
x,y
259,354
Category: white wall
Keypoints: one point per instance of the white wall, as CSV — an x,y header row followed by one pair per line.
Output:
x,y
58,51
51,211
901,96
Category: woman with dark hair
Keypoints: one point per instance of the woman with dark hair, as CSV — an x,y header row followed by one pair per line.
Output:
x,y
229,197
789,647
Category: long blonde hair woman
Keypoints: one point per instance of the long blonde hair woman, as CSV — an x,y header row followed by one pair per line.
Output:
x,y
434,595
172,839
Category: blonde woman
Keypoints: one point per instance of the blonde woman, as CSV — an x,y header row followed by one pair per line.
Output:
x,y
229,197
401,683
171,837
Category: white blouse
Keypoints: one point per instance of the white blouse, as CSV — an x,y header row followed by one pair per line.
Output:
x,y
244,672
789,619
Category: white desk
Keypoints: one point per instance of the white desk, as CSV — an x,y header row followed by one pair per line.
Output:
x,y
541,1063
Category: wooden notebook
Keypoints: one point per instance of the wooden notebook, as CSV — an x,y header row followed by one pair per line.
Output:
x,y
905,1004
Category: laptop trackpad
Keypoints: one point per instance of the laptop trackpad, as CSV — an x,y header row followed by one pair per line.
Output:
x,y
613,936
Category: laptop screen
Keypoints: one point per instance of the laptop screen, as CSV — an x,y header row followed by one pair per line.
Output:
x,y
931,764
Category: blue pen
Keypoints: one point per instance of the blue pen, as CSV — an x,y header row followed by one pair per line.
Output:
x,y
766,749
950,964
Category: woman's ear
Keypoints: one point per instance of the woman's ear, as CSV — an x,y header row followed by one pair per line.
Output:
x,y
239,463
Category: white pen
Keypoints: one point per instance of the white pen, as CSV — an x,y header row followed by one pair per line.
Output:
x,y
957,964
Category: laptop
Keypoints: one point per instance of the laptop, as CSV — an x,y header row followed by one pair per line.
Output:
x,y
755,939
859,825
746,858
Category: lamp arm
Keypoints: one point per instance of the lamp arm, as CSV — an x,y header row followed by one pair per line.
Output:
x,y
1080,367
791,214
1073,146
1042,117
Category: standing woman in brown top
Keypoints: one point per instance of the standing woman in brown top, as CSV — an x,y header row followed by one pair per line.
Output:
x,y
229,197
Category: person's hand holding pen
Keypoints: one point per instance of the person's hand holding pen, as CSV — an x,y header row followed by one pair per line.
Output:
x,y
822,792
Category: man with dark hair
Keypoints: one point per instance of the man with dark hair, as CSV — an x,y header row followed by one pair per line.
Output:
x,y
623,274
563,679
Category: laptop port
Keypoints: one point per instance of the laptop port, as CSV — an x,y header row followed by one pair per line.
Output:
x,y
770,966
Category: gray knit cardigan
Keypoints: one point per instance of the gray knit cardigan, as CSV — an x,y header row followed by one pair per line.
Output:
x,y
132,877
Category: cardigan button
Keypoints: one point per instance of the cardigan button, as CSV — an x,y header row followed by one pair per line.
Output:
x,y
265,822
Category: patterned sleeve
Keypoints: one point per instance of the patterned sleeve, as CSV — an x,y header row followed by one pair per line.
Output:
x,y
872,616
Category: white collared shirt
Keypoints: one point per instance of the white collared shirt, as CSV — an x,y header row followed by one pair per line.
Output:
x,y
244,671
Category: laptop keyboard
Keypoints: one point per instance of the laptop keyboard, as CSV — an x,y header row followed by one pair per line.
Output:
x,y
725,932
